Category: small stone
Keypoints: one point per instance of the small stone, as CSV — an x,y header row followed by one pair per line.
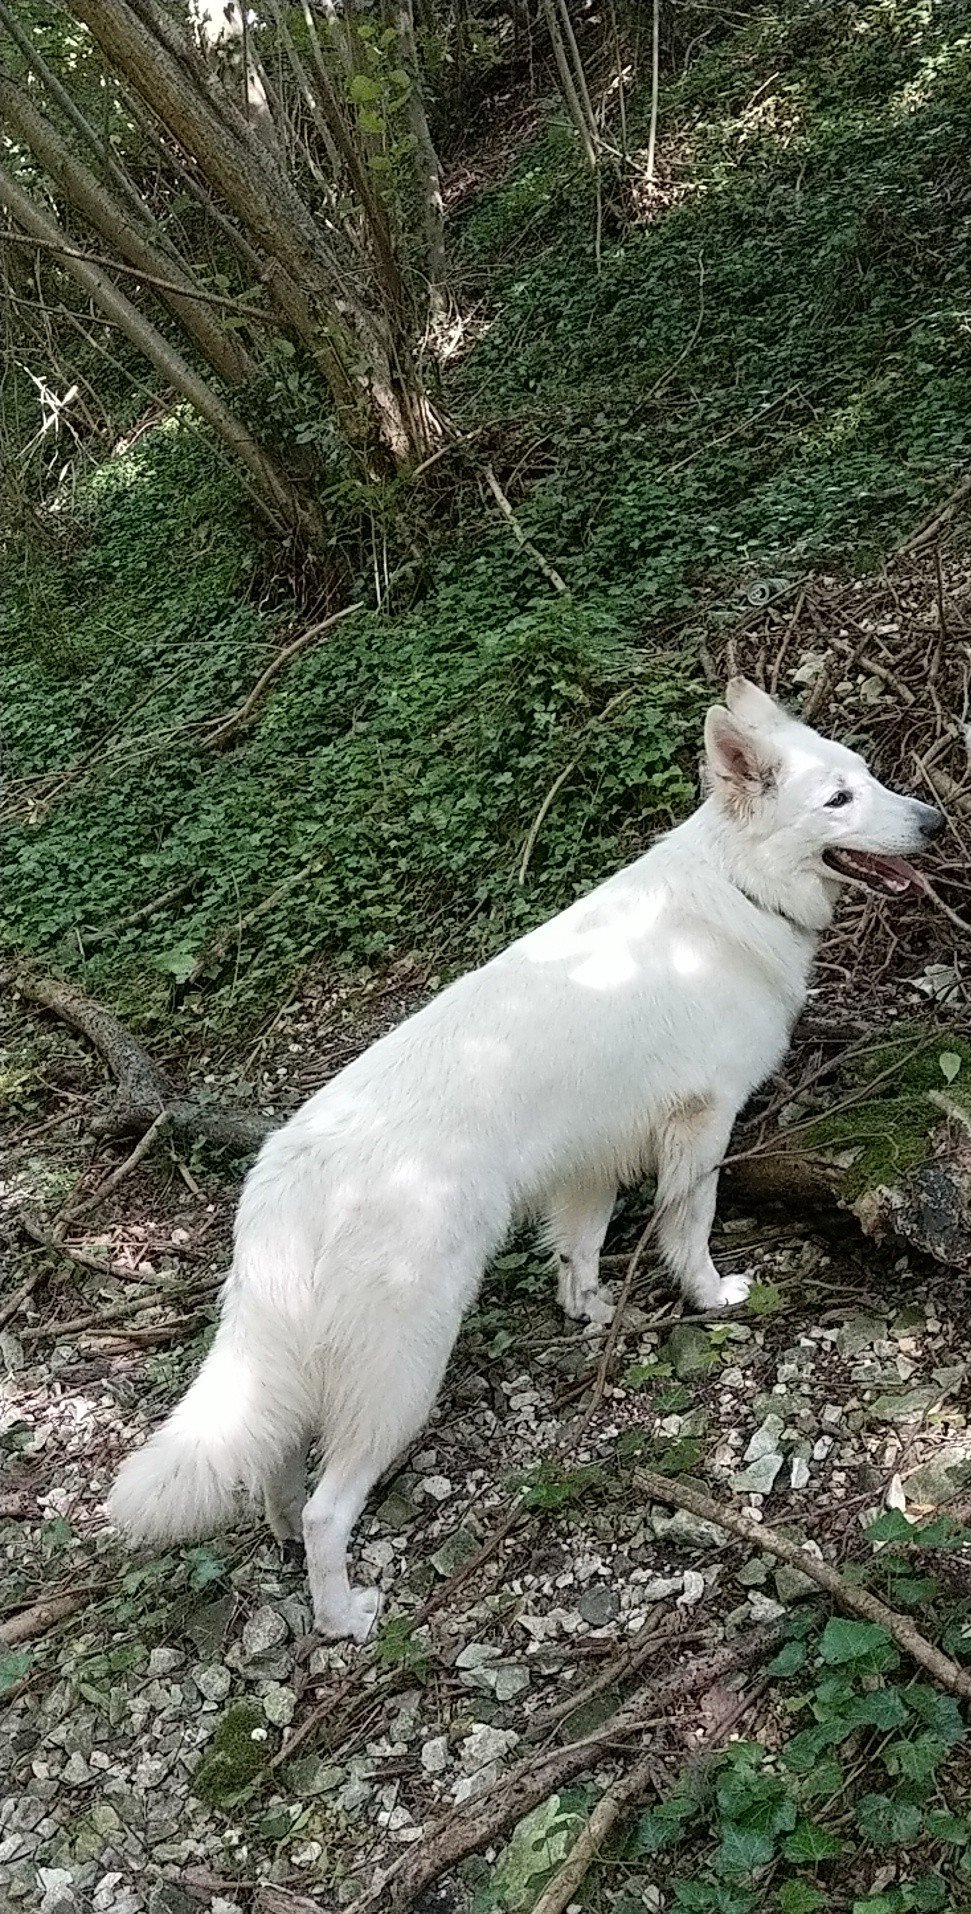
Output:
x,y
752,1574
279,1704
694,1588
213,1682
798,1472
76,1771
791,1585
660,1588
599,1606
509,1680
763,1607
434,1755
57,1889
438,1487
484,1745
689,1351
161,1662
682,1530
454,1552
860,1332
396,1512
264,1631
758,1478
765,1440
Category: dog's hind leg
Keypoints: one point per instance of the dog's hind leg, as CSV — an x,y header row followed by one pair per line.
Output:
x,y
285,1494
690,1148
382,1376
577,1220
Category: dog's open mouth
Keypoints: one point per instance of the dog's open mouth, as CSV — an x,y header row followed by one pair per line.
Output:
x,y
892,874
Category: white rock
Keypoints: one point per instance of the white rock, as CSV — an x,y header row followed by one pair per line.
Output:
x,y
434,1755
694,1588
765,1440
798,1472
279,1704
264,1631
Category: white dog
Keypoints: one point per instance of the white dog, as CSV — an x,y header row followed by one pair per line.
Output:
x,y
620,1039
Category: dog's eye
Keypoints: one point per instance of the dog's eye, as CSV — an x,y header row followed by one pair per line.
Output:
x,y
838,799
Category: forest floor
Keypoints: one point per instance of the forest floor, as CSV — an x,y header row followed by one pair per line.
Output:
x,y
739,434
179,1739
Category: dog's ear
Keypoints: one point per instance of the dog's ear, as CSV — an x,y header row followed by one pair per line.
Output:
x,y
742,764
754,707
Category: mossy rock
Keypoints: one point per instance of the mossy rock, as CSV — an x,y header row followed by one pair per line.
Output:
x,y
236,1756
892,1132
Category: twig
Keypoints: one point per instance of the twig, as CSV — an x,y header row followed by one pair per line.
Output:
x,y
558,783
613,1334
9,1309
655,87
162,1122
42,1616
615,1803
214,951
541,815
951,1107
847,1595
223,729
533,1779
549,571
138,916
931,526
612,1674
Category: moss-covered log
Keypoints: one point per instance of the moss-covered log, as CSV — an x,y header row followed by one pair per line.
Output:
x,y
894,1150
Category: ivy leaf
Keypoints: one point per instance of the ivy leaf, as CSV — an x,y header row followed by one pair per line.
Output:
x,y
888,1822
13,1667
765,1299
810,1842
743,1850
950,1064
866,1645
799,1897
789,1660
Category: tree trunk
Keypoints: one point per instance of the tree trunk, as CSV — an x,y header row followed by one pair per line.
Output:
x,y
224,353
369,390
273,491
429,172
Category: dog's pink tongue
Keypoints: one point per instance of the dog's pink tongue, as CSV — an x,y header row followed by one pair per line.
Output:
x,y
894,871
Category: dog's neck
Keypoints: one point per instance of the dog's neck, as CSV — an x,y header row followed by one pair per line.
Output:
x,y
776,910
802,898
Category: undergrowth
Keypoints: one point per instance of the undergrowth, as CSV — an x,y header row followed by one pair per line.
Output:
x,y
766,372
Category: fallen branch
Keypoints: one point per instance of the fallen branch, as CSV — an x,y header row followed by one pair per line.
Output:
x,y
617,1801
142,1148
20,1295
847,1595
35,1621
144,1093
525,543
224,730
466,1830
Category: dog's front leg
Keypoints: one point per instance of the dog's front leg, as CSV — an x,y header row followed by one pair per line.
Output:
x,y
691,1146
577,1219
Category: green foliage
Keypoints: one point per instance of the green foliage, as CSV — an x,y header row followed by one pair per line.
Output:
x,y
767,372
552,1488
398,1647
777,1830
891,1129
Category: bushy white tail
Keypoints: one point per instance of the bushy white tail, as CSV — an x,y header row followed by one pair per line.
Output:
x,y
240,1419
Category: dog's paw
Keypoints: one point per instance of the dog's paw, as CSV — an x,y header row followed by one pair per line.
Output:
x,y
731,1289
597,1306
355,1622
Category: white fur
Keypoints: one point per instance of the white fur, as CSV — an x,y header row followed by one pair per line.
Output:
x,y
619,1039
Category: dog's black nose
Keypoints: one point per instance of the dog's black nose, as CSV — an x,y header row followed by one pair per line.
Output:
x,y
932,822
